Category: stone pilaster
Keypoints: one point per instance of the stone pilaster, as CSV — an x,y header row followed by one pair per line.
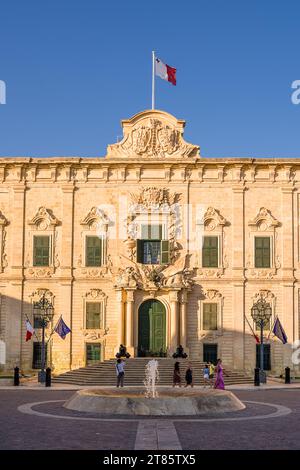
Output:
x,y
174,321
238,263
130,321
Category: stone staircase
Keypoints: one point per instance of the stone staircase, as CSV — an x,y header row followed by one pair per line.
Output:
x,y
104,373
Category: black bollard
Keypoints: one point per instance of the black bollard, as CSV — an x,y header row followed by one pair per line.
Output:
x,y
16,376
287,375
256,377
48,377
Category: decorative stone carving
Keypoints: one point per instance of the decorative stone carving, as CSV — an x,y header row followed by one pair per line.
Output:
x,y
153,198
43,219
38,293
95,219
40,272
3,255
264,220
212,219
134,275
210,273
96,294
265,294
153,134
212,294
94,272
93,335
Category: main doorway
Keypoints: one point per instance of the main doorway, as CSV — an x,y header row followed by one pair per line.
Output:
x,y
152,329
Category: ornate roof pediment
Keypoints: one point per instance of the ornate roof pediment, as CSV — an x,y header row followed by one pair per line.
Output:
x,y
153,134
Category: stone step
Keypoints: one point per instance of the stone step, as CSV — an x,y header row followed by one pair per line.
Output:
x,y
104,373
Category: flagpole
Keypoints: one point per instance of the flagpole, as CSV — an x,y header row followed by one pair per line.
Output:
x,y
153,79
54,329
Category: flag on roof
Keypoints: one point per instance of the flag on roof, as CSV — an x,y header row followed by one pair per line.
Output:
x,y
164,71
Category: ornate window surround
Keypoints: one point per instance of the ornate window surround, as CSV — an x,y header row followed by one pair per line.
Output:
x,y
211,296
153,206
43,224
264,224
212,224
95,223
97,296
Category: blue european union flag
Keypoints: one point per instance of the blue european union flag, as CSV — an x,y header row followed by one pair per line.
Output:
x,y
62,329
279,331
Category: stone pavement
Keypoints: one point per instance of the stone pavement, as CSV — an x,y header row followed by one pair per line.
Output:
x,y
271,385
33,419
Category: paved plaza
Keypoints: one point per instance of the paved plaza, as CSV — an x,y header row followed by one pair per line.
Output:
x,y
36,419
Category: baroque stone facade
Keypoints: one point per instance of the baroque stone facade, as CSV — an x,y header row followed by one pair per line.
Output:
x,y
151,175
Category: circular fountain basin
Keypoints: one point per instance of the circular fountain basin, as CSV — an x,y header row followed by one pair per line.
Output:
x,y
170,401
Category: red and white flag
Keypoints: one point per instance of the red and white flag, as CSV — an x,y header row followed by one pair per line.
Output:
x,y
29,330
164,71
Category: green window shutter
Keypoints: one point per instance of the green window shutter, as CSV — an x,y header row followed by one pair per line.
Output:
x,y
210,316
93,315
41,250
93,251
165,252
139,251
210,255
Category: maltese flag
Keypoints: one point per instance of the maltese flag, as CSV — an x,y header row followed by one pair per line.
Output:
x,y
164,71
29,330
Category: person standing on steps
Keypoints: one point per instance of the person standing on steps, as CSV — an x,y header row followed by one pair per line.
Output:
x,y
176,375
206,375
189,376
120,372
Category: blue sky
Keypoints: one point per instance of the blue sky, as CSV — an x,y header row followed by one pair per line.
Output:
x,y
74,68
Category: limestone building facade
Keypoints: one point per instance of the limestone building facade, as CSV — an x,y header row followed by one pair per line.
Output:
x,y
151,246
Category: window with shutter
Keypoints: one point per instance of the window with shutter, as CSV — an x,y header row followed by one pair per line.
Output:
x,y
93,251
210,316
262,252
210,255
41,250
93,315
151,249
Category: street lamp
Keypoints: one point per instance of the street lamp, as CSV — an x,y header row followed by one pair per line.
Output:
x,y
261,313
43,312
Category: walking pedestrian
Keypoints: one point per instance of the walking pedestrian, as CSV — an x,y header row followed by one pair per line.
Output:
x,y
176,375
189,376
219,382
120,372
206,375
211,374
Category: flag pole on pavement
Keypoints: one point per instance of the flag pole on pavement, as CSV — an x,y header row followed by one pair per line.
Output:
x,y
153,79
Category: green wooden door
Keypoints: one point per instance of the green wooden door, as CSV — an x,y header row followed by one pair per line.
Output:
x,y
152,328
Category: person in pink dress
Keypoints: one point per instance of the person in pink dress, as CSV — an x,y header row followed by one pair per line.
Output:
x,y
219,381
